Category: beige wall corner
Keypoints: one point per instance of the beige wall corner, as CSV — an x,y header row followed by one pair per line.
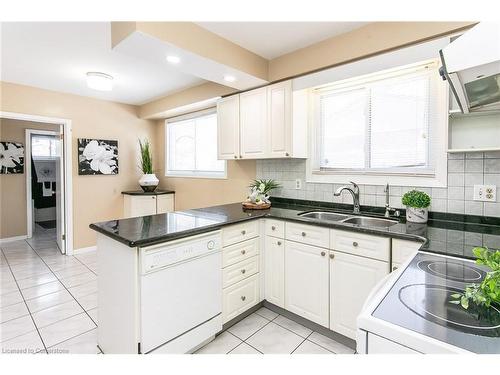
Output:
x,y
95,198
203,192
368,40
156,109
193,38
121,30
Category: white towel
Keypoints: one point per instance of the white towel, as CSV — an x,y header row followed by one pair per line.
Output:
x,y
47,191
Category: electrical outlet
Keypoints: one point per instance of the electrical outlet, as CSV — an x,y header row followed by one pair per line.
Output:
x,y
298,184
485,193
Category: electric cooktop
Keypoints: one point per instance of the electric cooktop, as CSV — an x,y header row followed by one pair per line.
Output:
x,y
420,300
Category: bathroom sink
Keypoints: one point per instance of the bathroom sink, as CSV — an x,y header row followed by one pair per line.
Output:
x,y
324,215
366,221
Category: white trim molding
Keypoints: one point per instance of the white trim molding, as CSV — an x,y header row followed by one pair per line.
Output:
x,y
84,250
68,176
11,239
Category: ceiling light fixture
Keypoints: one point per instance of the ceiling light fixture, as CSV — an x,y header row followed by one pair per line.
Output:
x,y
172,59
99,81
229,78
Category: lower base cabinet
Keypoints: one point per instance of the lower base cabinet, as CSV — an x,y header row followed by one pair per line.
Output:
x,y
274,273
351,280
239,297
306,281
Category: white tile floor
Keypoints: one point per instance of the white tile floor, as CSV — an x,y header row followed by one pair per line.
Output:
x,y
48,304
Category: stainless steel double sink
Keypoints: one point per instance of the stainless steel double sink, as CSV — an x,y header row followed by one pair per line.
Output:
x,y
363,221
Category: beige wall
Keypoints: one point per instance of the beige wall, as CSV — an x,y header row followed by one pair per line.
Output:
x,y
13,210
95,198
203,192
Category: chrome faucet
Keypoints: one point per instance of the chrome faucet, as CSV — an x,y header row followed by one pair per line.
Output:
x,y
354,192
388,208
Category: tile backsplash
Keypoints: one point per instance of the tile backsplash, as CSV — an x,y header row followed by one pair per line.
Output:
x,y
464,171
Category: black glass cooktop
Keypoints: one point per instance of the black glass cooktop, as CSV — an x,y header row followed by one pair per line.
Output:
x,y
420,300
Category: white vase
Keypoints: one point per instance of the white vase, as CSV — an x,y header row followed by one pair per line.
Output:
x,y
149,182
417,215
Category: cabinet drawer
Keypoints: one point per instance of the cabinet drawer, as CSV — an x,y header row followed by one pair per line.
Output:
x,y
240,251
240,232
240,297
380,345
164,203
275,228
402,250
366,245
240,271
308,234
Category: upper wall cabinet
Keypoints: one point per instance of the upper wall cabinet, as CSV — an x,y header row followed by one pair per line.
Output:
x,y
271,122
228,127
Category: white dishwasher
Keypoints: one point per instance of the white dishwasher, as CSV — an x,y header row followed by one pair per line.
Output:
x,y
180,294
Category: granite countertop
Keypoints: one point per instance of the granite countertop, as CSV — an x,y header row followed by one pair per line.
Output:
x,y
438,235
142,192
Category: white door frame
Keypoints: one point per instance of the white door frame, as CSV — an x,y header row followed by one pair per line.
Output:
x,y
68,177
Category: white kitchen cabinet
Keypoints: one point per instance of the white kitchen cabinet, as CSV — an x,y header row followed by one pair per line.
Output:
x,y
351,280
279,102
306,281
141,204
228,127
274,271
239,297
253,124
402,250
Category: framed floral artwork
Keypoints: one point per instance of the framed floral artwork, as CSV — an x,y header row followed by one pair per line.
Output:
x,y
97,156
11,158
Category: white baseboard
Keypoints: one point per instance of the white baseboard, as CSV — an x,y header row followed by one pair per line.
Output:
x,y
10,239
84,250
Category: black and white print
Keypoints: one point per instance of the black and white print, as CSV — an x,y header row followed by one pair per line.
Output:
x,y
11,158
97,156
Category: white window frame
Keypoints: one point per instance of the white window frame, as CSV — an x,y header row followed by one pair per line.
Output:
x,y
440,132
193,173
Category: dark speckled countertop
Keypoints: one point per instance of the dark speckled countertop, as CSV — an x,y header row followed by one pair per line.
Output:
x,y
438,235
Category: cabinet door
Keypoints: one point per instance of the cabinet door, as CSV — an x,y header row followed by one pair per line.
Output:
x,y
228,127
402,250
253,124
164,203
351,280
279,100
306,281
140,205
274,274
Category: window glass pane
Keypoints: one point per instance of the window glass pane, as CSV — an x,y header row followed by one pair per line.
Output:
x,y
43,146
399,126
181,144
206,144
343,122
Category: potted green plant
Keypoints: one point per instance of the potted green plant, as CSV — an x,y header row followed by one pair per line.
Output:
x,y
148,182
487,293
259,197
417,204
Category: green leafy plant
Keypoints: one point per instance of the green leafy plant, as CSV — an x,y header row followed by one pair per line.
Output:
x,y
488,291
146,165
416,199
264,186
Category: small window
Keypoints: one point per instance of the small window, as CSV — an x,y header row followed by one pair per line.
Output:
x,y
387,123
192,147
43,146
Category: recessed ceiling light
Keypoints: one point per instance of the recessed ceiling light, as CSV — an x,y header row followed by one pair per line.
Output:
x,y
99,81
229,78
173,59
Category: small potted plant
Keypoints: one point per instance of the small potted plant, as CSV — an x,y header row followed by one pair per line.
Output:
x,y
148,182
259,194
417,204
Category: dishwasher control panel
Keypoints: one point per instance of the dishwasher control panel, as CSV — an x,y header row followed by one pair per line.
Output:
x,y
178,251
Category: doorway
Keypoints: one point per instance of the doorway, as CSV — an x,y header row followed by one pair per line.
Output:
x,y
47,179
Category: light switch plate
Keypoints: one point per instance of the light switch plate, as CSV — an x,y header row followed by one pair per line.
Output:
x,y
298,184
485,193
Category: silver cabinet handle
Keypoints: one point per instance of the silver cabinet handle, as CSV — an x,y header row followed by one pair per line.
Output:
x,y
236,157
355,244
323,253
241,157
394,268
243,252
287,154
243,271
273,228
279,243
243,232
303,234
332,256
243,298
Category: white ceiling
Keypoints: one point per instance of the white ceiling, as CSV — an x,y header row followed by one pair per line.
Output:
x,y
273,39
57,56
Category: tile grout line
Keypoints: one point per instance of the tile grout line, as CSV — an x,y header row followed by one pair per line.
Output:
x,y
27,307
84,311
303,341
